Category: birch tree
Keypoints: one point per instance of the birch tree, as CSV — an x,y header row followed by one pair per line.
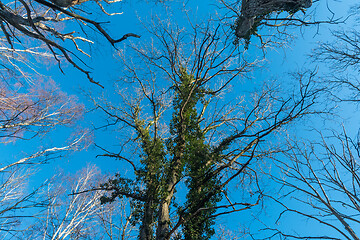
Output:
x,y
69,211
27,113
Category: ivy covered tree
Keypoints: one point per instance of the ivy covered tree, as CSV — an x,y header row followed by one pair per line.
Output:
x,y
188,146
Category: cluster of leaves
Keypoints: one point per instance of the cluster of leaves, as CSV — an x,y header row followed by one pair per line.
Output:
x,y
186,155
197,160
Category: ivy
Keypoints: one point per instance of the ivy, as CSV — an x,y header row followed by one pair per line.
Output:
x,y
197,158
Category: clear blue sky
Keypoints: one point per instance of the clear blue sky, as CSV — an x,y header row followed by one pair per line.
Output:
x,y
106,69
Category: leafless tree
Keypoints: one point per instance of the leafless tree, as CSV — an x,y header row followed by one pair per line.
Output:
x,y
343,56
18,200
26,113
323,178
271,21
29,112
27,25
114,221
69,216
73,212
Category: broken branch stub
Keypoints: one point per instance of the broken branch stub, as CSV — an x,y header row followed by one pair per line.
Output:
x,y
253,11
67,3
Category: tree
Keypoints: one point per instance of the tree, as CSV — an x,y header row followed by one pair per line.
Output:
x,y
65,214
41,20
271,21
115,221
323,179
32,30
27,113
178,132
320,179
255,11
343,55
30,111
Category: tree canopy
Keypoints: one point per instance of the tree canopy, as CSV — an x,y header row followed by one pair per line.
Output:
x,y
200,134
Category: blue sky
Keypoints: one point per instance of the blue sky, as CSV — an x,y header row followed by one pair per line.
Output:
x,y
106,69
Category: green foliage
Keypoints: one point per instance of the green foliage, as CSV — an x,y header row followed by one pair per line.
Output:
x,y
199,162
197,159
186,154
153,158
120,184
148,175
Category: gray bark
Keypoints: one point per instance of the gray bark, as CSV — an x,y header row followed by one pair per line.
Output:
x,y
67,3
162,230
146,230
250,9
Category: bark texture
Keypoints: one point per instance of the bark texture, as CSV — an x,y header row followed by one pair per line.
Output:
x,y
253,9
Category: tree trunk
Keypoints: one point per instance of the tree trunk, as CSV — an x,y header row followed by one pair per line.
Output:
x,y
164,217
146,232
252,9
